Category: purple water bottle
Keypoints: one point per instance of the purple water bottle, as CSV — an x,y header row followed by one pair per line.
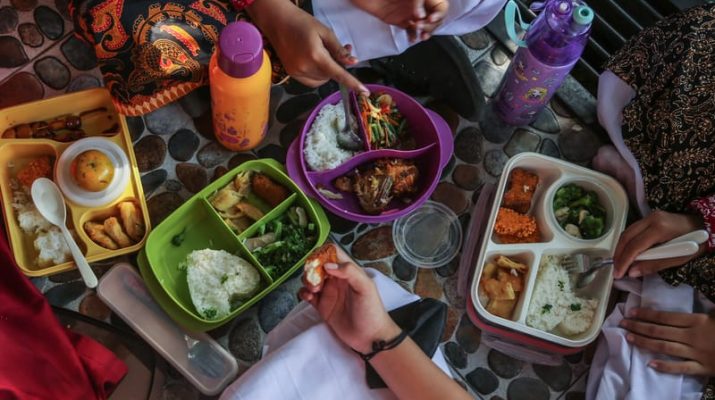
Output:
x,y
553,44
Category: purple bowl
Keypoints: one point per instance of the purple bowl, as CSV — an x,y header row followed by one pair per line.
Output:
x,y
434,148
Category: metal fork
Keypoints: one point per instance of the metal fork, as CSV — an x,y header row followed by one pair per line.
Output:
x,y
583,267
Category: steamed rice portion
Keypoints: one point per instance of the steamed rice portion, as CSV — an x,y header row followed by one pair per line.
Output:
x,y
554,306
218,280
321,149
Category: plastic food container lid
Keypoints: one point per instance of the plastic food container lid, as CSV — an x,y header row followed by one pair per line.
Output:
x,y
86,198
197,356
428,237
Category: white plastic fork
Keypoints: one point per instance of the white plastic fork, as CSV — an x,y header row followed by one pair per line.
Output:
x,y
582,267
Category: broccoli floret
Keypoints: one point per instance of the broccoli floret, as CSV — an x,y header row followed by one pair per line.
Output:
x,y
591,227
588,200
566,195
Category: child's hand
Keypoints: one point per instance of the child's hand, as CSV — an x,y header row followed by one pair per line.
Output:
x,y
656,228
423,29
309,51
688,336
349,303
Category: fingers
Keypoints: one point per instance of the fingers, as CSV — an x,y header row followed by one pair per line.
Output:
x,y
332,69
642,268
678,367
661,346
633,241
682,320
311,298
352,274
656,331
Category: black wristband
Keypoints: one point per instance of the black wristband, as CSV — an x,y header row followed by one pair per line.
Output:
x,y
382,345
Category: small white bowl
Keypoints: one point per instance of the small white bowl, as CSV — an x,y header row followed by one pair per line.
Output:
x,y
83,197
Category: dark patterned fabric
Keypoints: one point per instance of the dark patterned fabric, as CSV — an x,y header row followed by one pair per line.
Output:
x,y
154,52
670,124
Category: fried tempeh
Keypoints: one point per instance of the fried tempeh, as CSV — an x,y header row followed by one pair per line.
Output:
x,y
132,220
115,231
98,235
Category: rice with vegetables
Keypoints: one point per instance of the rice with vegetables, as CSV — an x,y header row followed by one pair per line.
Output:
x,y
321,149
554,307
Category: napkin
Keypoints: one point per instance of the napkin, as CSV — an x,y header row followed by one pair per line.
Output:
x,y
619,370
302,359
372,38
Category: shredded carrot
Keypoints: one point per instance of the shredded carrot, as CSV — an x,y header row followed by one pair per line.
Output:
x,y
37,168
511,223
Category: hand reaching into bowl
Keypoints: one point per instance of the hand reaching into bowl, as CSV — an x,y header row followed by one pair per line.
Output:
x,y
658,227
319,57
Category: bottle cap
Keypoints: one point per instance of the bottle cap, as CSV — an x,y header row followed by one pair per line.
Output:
x,y
240,50
583,15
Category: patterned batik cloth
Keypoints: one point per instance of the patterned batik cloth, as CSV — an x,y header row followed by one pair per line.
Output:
x,y
154,52
670,124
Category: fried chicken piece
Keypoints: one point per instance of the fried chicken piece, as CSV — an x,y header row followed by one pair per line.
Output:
x,y
132,220
115,231
314,265
98,235
374,191
269,191
511,223
404,175
522,185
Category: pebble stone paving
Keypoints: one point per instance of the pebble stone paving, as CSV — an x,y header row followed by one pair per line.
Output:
x,y
177,156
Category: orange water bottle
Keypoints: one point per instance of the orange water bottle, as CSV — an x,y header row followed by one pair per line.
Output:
x,y
240,80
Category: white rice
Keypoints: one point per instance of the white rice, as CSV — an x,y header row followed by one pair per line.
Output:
x,y
216,279
321,148
554,306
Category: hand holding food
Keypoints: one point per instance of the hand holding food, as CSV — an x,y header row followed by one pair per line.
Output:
x,y
658,227
349,303
315,264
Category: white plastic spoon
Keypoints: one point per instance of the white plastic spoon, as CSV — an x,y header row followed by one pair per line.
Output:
x,y
50,203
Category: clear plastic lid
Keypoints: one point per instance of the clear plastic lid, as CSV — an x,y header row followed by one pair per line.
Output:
x,y
85,198
428,237
197,356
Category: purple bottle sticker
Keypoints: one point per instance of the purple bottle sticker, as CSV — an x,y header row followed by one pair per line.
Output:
x,y
553,45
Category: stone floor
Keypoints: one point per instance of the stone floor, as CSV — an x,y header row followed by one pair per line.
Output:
x,y
178,156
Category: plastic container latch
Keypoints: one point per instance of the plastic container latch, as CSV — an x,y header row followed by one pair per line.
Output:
x,y
512,16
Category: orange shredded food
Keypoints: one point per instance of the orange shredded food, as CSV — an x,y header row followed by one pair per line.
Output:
x,y
511,223
37,168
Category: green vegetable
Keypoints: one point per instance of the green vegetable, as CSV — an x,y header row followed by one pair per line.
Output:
x,y
178,239
561,285
546,308
575,307
210,313
224,278
591,227
261,230
182,267
580,208
293,242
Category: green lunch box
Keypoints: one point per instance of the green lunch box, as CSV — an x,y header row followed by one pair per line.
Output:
x,y
203,228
